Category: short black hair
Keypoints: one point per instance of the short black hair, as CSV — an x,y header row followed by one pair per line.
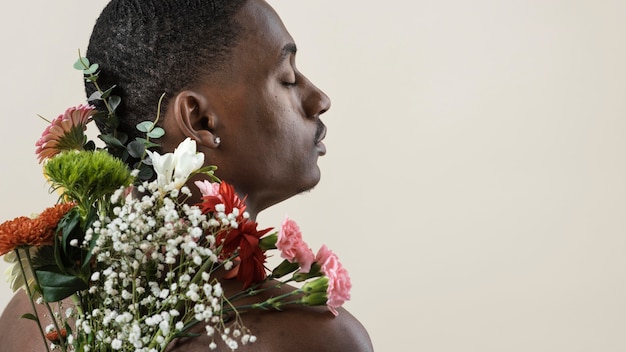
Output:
x,y
151,47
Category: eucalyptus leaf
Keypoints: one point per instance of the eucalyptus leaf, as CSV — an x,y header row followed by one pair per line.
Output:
x,y
147,143
81,63
145,126
91,70
157,132
95,96
145,172
92,78
136,149
147,161
101,117
114,102
124,155
107,92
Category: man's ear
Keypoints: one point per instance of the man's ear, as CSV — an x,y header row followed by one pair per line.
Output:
x,y
191,112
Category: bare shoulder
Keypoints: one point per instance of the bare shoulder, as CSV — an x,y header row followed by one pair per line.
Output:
x,y
18,334
302,329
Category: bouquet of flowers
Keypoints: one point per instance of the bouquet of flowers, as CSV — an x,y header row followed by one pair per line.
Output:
x,y
123,262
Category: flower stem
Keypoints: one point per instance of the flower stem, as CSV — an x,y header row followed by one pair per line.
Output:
x,y
255,290
54,320
274,302
30,296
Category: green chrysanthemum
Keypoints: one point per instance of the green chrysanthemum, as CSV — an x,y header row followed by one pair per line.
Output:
x,y
87,177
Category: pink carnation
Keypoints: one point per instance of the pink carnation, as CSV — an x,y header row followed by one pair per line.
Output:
x,y
292,247
208,188
339,284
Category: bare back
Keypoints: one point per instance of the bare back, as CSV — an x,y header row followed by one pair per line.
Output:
x,y
302,329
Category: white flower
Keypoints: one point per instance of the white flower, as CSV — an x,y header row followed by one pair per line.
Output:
x,y
187,161
163,166
116,344
176,167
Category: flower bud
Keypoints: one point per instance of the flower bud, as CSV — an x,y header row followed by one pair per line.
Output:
x,y
284,268
268,242
314,272
315,299
317,285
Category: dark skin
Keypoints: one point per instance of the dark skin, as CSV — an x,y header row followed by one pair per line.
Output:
x,y
266,113
267,116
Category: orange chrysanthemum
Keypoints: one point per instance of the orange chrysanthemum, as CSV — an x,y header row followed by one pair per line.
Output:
x,y
24,231
54,336
51,216
66,132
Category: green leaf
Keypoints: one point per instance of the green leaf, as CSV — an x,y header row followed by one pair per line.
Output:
x,y
146,143
209,171
90,145
92,78
91,217
57,286
111,141
114,102
124,155
147,161
157,132
68,224
284,268
108,92
58,257
95,96
136,149
81,63
145,126
123,137
29,316
91,70
269,242
145,172
68,328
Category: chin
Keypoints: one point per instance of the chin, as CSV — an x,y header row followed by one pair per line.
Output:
x,y
310,181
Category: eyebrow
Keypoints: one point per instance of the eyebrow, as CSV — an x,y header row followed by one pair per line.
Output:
x,y
289,48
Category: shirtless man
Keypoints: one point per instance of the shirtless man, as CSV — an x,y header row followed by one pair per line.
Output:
x,y
231,83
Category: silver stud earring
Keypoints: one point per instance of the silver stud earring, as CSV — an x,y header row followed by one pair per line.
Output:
x,y
217,141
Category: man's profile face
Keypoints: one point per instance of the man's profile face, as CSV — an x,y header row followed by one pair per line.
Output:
x,y
268,113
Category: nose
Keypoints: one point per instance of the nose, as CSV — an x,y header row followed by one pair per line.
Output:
x,y
315,101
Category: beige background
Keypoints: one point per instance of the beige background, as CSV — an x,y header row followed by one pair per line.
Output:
x,y
475,182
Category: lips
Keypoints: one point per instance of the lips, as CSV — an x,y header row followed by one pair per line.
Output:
x,y
320,133
319,136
